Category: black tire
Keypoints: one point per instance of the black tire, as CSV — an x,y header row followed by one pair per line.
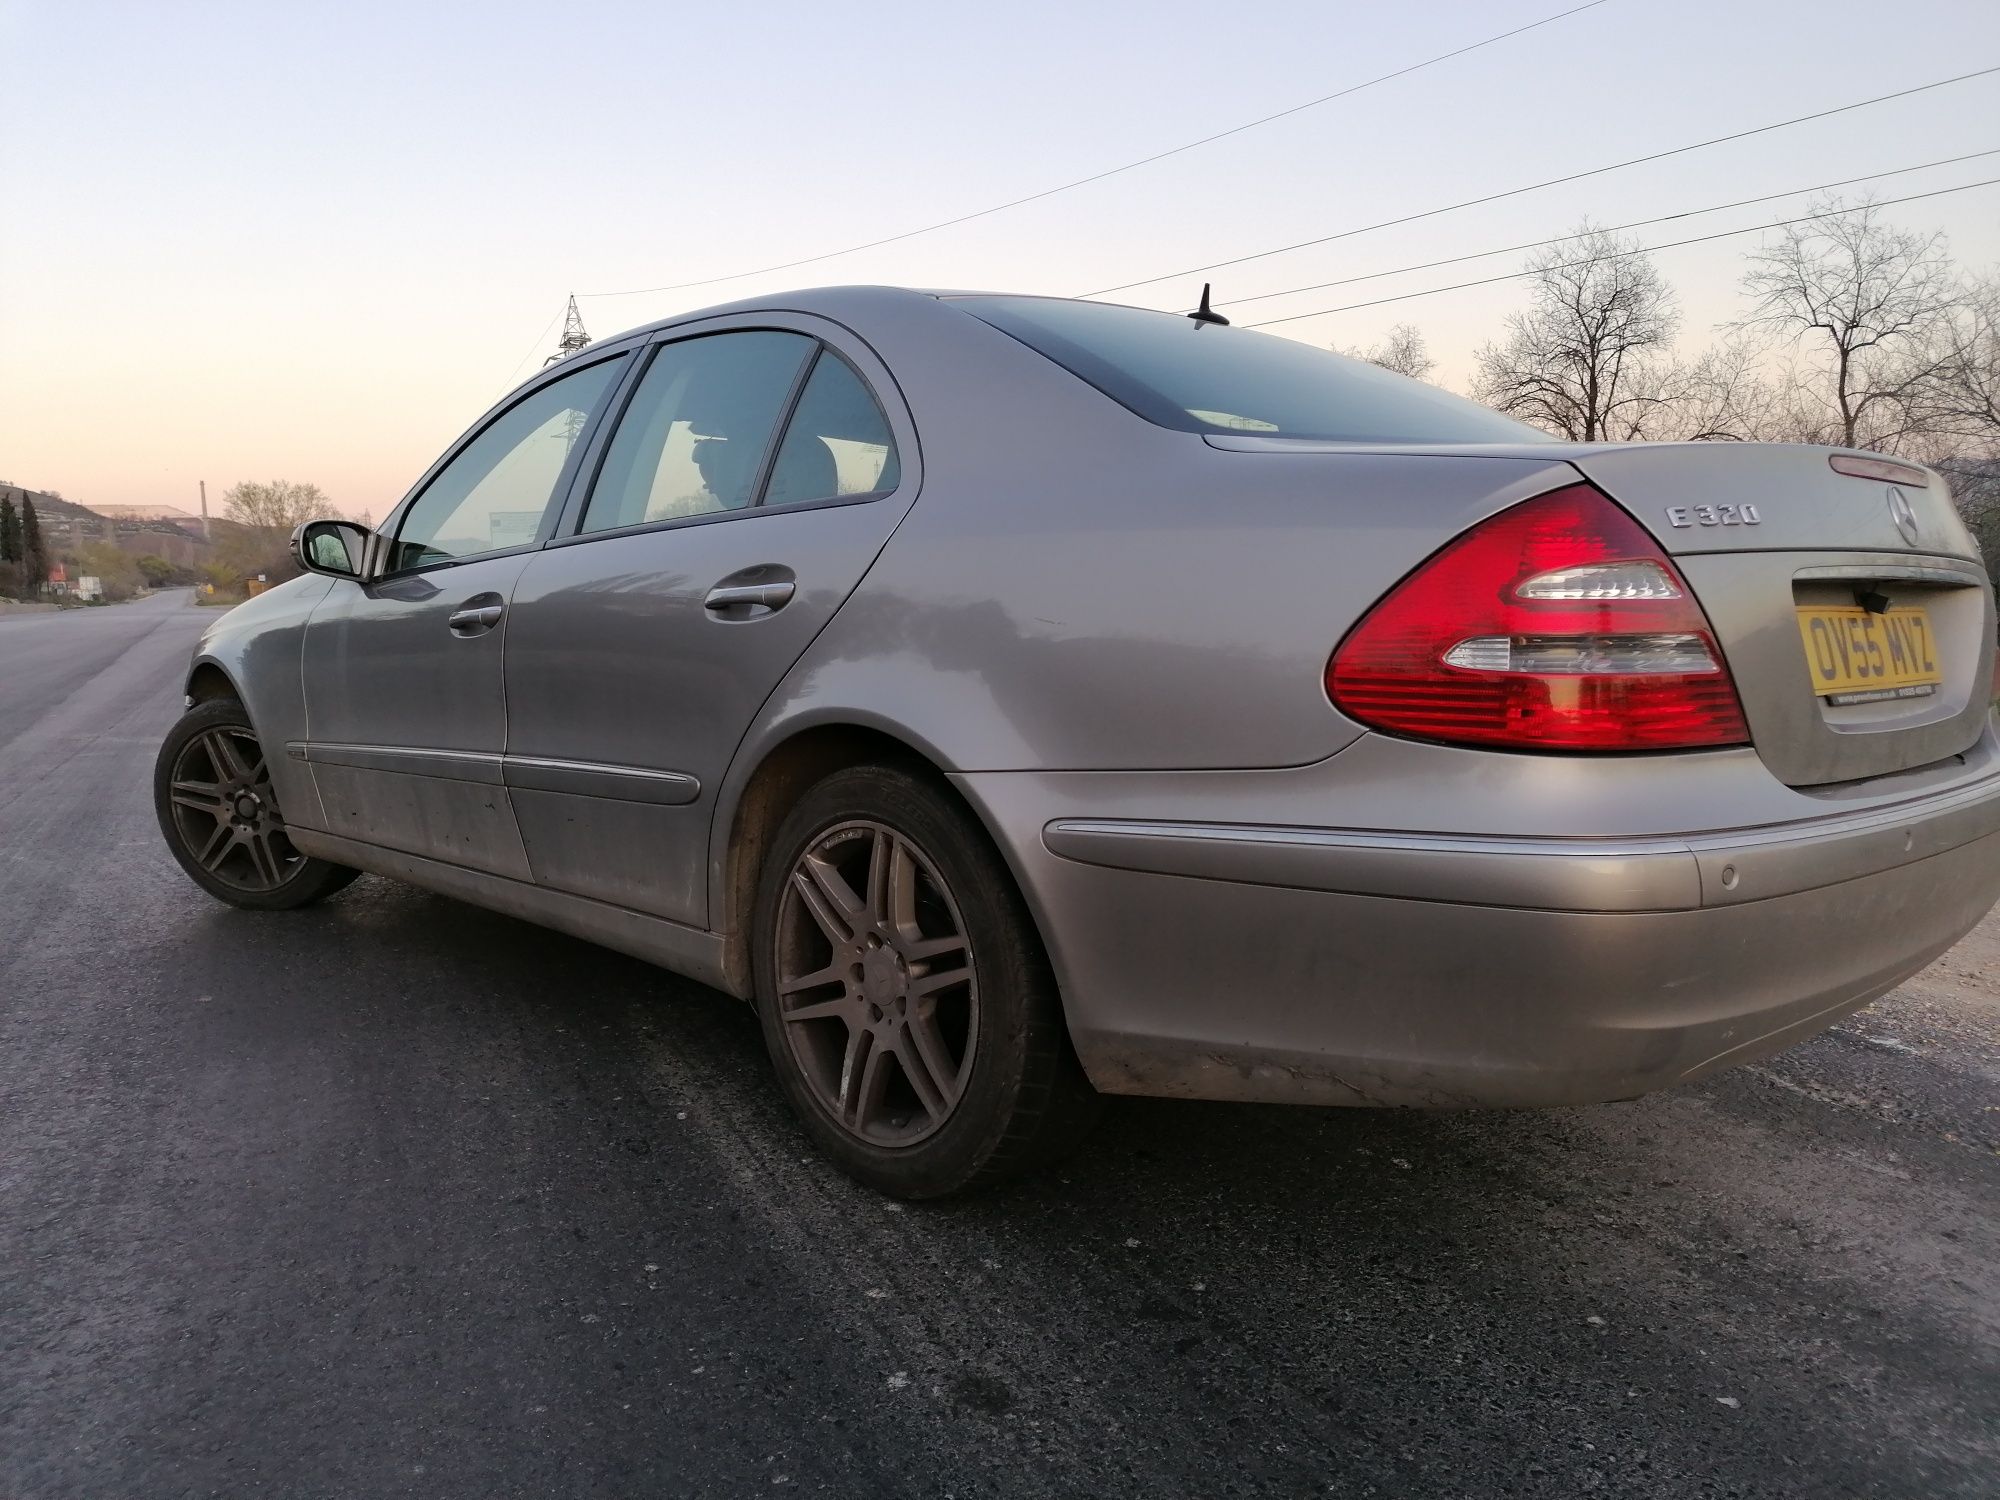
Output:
x,y
1022,1099
221,820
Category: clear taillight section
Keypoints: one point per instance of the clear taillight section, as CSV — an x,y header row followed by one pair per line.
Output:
x,y
1618,580
1556,625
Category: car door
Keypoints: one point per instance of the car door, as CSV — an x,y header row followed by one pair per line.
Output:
x,y
405,696
751,481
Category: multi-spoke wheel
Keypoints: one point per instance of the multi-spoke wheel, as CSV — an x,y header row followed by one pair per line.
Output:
x,y
876,983
225,813
212,790
905,998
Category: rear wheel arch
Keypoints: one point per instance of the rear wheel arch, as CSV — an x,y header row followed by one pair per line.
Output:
x,y
785,773
1005,1089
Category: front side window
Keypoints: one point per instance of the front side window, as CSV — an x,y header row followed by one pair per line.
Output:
x,y
838,442
1211,378
693,439
493,495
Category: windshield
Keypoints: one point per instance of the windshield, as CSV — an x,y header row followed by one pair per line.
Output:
x,y
1210,378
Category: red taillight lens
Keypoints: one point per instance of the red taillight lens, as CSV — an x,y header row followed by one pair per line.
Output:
x,y
1556,625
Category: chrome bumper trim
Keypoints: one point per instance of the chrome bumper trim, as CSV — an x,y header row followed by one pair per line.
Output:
x,y
1685,873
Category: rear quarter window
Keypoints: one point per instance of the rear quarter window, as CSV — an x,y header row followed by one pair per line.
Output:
x,y
1198,377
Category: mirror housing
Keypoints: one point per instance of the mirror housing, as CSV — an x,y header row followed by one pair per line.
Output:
x,y
337,549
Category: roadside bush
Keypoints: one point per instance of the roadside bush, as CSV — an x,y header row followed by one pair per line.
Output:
x,y
114,568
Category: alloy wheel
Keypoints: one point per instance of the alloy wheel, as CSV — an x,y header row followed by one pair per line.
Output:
x,y
225,813
877,988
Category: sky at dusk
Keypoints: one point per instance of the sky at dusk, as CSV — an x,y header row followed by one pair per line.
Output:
x,y
315,241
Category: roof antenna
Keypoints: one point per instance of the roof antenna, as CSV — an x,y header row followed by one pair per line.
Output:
x,y
1205,313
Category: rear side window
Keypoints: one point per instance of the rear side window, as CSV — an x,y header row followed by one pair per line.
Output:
x,y
693,438
1199,377
838,442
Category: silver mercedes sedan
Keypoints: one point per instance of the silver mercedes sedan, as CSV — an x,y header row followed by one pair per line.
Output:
x,y
1022,700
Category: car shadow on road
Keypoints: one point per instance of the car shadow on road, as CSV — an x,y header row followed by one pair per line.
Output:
x,y
422,972
438,957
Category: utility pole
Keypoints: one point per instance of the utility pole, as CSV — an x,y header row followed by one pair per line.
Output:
x,y
573,337
204,510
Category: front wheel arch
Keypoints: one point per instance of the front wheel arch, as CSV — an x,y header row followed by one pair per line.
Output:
x,y
206,682
227,810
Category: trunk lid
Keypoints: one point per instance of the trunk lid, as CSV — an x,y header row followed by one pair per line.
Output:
x,y
1855,615
1770,497
1828,593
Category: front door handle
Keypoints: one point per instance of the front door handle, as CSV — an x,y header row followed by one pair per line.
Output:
x,y
475,619
739,600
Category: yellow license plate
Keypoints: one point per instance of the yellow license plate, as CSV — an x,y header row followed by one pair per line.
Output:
x,y
1858,657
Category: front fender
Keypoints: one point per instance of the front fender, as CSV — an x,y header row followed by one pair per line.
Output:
x,y
257,647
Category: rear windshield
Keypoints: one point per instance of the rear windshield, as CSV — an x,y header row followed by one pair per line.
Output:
x,y
1210,378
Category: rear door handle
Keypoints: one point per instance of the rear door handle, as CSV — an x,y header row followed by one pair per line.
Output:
x,y
740,599
475,619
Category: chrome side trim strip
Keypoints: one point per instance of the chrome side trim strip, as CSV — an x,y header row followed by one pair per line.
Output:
x,y
455,765
530,773
1608,875
590,779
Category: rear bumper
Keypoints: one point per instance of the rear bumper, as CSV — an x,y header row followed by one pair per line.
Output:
x,y
1317,965
1555,874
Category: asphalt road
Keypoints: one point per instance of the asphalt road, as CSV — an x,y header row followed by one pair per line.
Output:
x,y
396,1197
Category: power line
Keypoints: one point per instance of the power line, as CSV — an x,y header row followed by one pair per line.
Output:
x,y
1432,213
1700,239
1144,161
532,348
1563,239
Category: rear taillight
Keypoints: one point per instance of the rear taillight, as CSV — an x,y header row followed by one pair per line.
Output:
x,y
1556,625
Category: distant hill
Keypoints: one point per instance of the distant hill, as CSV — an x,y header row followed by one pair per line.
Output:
x,y
47,505
163,530
146,513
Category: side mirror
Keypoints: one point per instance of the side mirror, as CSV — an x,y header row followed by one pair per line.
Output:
x,y
339,549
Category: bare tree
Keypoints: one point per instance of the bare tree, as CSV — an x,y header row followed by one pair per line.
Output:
x,y
1960,396
1403,352
280,504
1866,306
1590,358
1957,411
1723,396
268,513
